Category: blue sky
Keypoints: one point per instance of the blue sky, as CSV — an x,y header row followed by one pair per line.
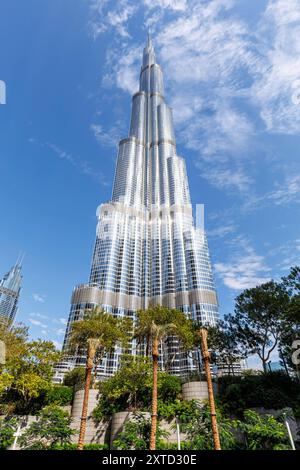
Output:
x,y
232,73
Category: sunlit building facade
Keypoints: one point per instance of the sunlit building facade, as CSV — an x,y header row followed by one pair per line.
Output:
x,y
10,288
148,248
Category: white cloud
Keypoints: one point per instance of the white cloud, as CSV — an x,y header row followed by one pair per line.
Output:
x,y
37,323
213,61
38,298
288,191
225,178
59,331
82,165
246,268
116,16
202,80
221,231
109,138
39,315
285,255
57,344
176,5
277,87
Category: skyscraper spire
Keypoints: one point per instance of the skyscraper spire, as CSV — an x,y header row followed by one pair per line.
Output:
x,y
147,249
149,40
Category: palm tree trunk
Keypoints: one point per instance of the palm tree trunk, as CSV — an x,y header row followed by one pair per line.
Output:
x,y
205,355
154,395
88,377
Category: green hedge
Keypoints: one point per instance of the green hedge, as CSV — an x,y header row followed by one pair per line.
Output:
x,y
60,395
74,447
270,390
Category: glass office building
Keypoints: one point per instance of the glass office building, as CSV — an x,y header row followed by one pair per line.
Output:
x,y
148,249
10,287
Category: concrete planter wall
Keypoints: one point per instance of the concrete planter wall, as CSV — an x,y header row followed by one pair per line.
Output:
x,y
78,402
119,419
117,423
195,391
95,433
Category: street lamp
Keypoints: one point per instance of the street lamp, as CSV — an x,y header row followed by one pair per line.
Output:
x,y
178,434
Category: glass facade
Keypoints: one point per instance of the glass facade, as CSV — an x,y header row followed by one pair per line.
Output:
x,y
148,249
10,287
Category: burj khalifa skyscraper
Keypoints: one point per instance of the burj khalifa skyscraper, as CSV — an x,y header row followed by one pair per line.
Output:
x,y
148,248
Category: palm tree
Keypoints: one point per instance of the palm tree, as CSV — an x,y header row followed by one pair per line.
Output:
x,y
202,332
154,325
98,332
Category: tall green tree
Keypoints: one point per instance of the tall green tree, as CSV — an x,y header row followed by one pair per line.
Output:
x,y
28,369
257,322
291,321
97,333
224,343
292,285
154,325
15,338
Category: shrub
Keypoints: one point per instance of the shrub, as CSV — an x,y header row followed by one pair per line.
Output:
x,y
269,390
8,427
59,395
75,377
263,432
136,434
51,428
75,447
130,388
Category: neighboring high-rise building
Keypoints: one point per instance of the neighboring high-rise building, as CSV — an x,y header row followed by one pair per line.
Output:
x,y
10,287
148,249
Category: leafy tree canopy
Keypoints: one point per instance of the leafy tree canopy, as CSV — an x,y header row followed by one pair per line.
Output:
x,y
258,318
131,386
27,374
75,377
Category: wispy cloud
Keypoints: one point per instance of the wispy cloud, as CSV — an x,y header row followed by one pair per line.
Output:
x,y
45,323
57,344
285,255
212,58
225,178
276,88
287,192
37,323
38,315
245,269
221,231
110,137
106,15
61,320
38,298
207,120
83,165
